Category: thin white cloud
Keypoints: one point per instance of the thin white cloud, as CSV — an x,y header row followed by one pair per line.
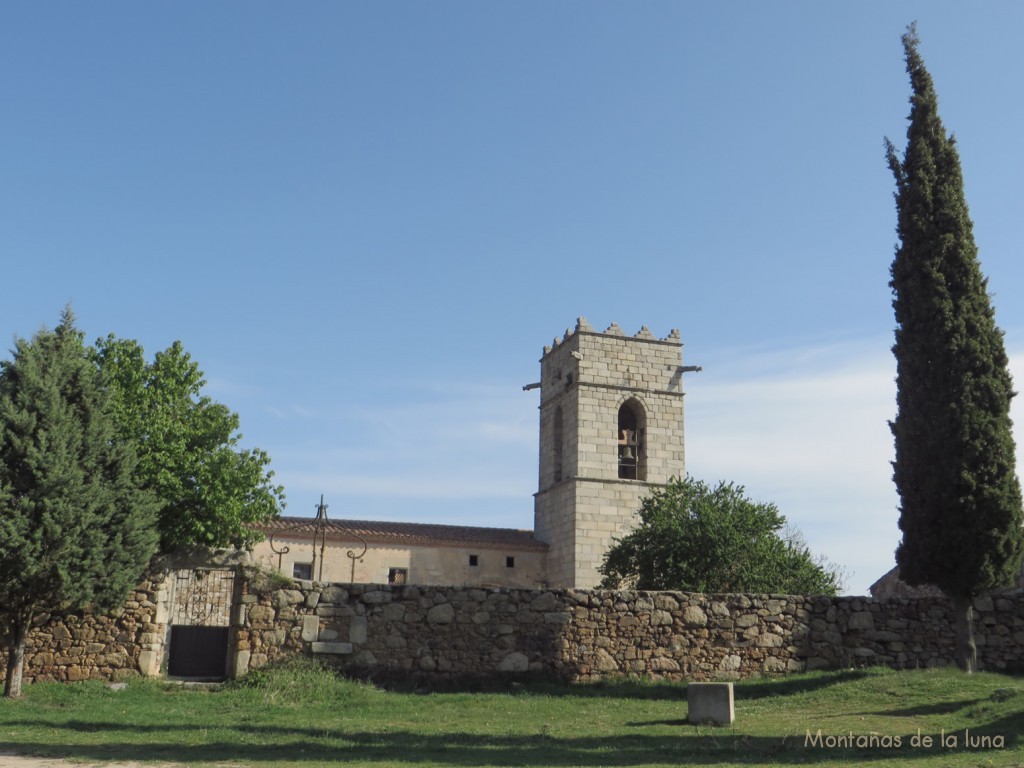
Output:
x,y
825,422
808,429
289,412
454,442
412,484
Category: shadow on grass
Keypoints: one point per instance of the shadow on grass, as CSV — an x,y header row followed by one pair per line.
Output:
x,y
975,708
789,686
1011,726
638,689
691,745
469,750
946,708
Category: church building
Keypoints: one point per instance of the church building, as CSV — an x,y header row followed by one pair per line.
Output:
x,y
611,429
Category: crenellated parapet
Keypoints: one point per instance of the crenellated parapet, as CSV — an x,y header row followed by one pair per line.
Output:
x,y
584,327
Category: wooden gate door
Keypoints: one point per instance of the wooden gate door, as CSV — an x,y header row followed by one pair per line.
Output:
x,y
200,624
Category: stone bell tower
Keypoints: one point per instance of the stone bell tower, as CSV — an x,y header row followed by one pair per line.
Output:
x,y
611,427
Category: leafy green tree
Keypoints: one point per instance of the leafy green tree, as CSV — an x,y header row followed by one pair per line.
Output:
x,y
960,501
695,538
76,529
210,490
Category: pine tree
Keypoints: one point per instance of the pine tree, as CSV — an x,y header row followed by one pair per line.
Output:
x,y
960,500
75,529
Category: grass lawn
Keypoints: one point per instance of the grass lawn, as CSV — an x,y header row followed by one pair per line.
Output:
x,y
302,716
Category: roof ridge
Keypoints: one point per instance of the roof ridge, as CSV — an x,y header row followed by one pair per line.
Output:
x,y
337,522
437,534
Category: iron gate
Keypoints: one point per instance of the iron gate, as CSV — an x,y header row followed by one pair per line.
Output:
x,y
200,624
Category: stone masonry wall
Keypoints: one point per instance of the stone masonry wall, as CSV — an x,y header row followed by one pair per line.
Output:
x,y
122,644
572,635
586,635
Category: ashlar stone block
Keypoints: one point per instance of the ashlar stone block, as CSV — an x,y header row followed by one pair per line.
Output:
x,y
310,628
710,703
333,648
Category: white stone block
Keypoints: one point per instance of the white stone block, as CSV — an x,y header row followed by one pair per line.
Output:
x,y
710,703
241,663
149,663
336,648
310,628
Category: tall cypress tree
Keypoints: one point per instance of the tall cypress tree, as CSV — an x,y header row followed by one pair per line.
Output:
x,y
76,531
960,500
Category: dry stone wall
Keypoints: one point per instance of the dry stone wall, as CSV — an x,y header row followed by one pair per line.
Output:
x,y
122,644
572,635
580,635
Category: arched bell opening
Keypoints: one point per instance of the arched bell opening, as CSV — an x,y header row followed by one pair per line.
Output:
x,y
632,456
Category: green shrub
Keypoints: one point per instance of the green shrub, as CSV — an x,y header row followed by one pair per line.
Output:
x,y
300,680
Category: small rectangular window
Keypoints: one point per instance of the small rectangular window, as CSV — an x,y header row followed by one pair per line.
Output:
x,y
474,561
302,571
510,562
398,575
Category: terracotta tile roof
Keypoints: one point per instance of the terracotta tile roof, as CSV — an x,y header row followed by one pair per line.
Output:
x,y
411,534
891,585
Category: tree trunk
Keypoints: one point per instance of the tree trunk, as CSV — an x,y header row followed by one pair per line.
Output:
x,y
966,651
16,659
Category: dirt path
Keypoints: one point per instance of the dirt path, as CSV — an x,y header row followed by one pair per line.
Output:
x,y
18,761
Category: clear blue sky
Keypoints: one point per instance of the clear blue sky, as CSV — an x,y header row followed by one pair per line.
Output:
x,y
365,220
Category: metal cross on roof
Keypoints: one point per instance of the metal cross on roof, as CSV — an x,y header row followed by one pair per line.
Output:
x,y
320,526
